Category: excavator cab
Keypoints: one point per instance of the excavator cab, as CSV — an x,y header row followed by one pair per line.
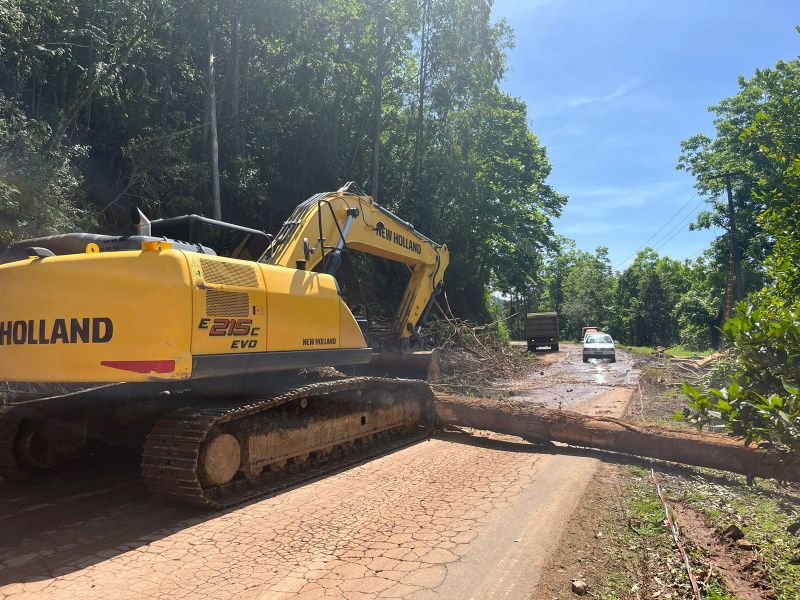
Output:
x,y
227,239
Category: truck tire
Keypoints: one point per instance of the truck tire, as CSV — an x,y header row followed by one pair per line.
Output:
x,y
614,358
585,359
531,347
554,347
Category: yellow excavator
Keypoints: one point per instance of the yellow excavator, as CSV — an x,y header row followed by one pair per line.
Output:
x,y
213,342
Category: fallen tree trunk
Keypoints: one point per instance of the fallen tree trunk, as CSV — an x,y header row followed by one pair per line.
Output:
x,y
687,446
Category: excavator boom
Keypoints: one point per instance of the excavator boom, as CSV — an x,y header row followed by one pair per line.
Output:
x,y
323,226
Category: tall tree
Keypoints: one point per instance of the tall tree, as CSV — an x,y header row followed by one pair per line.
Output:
x,y
729,151
400,96
579,287
213,137
377,104
761,399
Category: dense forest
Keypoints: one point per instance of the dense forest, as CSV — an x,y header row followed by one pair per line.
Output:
x,y
656,300
240,109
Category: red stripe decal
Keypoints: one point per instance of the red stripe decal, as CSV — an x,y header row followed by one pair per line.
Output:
x,y
141,366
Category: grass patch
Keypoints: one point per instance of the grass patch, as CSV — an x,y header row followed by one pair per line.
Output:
x,y
716,591
674,351
683,352
653,569
616,586
637,349
763,512
648,535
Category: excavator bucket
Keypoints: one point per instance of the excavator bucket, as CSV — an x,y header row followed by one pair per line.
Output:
x,y
422,365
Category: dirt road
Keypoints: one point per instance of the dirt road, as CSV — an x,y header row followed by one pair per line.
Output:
x,y
458,516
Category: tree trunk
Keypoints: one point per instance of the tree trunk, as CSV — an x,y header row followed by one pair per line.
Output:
x,y
213,141
245,43
685,446
34,92
421,88
377,101
235,91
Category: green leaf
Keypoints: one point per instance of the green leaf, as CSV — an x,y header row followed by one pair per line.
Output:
x,y
691,391
723,406
793,389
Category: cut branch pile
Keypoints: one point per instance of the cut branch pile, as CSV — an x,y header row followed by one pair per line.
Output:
x,y
472,358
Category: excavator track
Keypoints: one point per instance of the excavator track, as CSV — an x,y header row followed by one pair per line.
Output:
x,y
23,458
11,420
177,449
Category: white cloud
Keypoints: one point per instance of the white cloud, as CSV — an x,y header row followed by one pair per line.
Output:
x,y
589,229
611,197
565,130
542,108
620,91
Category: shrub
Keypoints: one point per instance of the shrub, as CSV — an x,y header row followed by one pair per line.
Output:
x,y
41,191
695,337
761,401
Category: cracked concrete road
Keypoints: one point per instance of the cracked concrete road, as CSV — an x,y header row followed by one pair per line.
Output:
x,y
458,516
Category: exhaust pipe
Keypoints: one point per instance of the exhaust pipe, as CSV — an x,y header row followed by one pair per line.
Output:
x,y
142,223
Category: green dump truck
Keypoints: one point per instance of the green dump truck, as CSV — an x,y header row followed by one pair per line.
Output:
x,y
541,329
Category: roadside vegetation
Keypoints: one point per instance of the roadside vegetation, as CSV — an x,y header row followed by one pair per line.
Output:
x,y
654,301
746,532
759,400
675,351
767,514
743,538
739,538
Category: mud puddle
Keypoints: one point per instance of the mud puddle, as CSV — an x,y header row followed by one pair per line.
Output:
x,y
567,382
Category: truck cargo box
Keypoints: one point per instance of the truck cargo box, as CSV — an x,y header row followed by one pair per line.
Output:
x,y
541,329
587,330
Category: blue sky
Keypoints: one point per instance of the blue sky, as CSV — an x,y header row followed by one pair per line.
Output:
x,y
613,86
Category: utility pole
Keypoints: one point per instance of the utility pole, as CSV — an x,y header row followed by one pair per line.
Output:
x,y
377,102
213,147
733,280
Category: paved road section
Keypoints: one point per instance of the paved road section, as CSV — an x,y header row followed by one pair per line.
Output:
x,y
455,517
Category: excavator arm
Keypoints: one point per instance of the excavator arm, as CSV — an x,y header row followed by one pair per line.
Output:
x,y
323,226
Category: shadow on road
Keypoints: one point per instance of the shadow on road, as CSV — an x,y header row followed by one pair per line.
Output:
x,y
97,509
90,512
728,480
94,511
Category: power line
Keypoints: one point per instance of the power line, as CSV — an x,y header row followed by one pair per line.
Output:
x,y
670,235
659,230
699,252
693,254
